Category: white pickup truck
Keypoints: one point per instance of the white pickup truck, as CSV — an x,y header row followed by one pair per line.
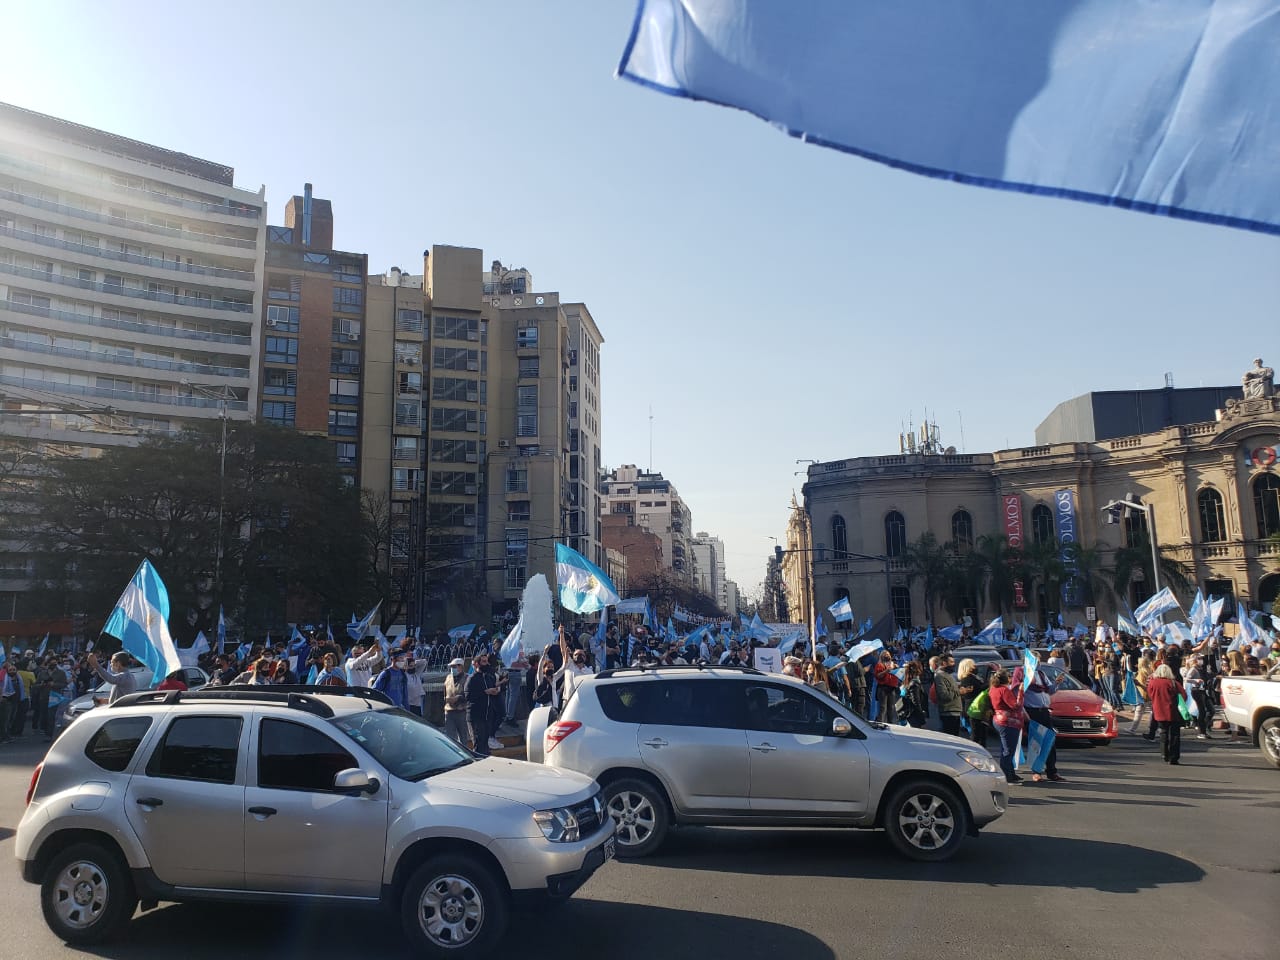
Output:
x,y
1254,703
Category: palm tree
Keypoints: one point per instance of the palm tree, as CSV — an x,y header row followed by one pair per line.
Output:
x,y
1042,565
1000,564
1088,573
964,581
926,560
1137,557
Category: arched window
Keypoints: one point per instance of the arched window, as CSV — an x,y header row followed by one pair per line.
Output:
x,y
1041,524
962,530
1135,529
1213,525
1266,504
901,597
839,537
895,534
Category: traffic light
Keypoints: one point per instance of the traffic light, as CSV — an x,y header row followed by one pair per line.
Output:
x,y
1114,513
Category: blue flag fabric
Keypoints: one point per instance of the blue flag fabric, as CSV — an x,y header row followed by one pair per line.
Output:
x,y
992,633
1030,664
1126,625
513,644
632,605
222,631
952,634
1039,742
357,629
841,611
819,627
584,587
44,645
140,621
927,641
1166,108
1156,606
1130,696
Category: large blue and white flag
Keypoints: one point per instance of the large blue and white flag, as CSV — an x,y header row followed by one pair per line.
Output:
x,y
140,621
222,631
840,610
819,628
1030,665
863,649
512,645
357,629
993,632
1247,631
584,587
463,632
1166,108
1126,625
1199,616
952,634
190,656
1154,607
1215,609
1039,742
632,605
44,645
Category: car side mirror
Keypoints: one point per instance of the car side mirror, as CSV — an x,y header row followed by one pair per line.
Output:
x,y
841,727
355,781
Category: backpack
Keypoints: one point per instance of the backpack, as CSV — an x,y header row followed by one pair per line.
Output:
x,y
980,709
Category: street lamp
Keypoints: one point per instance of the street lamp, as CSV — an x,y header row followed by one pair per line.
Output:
x,y
1117,509
222,398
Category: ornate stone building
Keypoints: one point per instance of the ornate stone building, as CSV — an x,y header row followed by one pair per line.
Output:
x,y
1213,489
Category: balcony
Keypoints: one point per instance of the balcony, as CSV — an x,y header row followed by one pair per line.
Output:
x,y
187,236
119,290
132,326
133,396
176,366
105,254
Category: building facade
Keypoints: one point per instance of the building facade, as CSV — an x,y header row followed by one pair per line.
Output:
x,y
1104,415
708,565
585,467
651,502
130,294
1213,488
797,565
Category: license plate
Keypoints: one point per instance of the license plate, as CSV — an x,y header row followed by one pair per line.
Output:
x,y
610,847
1079,724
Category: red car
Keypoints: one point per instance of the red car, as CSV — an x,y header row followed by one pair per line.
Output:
x,y
1078,712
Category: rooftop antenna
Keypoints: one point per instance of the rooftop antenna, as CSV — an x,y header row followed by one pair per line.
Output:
x,y
651,438
961,416
1168,380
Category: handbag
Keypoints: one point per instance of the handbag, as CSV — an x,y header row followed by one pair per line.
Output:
x,y
980,709
1003,718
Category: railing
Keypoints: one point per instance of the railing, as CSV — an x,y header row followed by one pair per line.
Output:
x,y
94,250
113,394
224,207
81,213
119,290
178,366
1034,451
1127,443
132,326
961,459
890,461
1199,430
1211,551
834,466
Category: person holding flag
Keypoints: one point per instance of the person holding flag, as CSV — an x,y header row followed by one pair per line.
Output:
x,y
122,681
1037,692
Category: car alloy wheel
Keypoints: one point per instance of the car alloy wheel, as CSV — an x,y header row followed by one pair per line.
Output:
x,y
635,817
80,894
926,821
451,911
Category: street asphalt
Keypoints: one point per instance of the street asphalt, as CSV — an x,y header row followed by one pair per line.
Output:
x,y
1129,859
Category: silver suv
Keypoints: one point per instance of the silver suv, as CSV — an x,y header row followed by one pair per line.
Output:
x,y
733,746
289,794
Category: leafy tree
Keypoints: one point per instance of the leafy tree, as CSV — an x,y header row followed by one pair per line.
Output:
x,y
926,560
1042,566
1001,563
1089,573
1129,560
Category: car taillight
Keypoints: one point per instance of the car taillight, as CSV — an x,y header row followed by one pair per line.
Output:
x,y
558,731
35,778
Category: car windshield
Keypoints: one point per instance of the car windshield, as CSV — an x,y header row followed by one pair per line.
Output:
x,y
1064,680
406,745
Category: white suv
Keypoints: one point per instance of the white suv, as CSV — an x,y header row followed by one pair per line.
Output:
x,y
289,794
733,746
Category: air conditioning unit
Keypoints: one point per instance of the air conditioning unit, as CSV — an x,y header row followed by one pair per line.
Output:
x,y
473,365
469,489
473,335
353,337
272,322
504,444
468,521
473,397
473,458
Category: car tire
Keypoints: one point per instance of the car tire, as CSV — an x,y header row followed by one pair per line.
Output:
x,y
87,895
1269,740
454,906
926,820
639,810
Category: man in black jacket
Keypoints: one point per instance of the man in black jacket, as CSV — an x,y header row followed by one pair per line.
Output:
x,y
1078,663
481,686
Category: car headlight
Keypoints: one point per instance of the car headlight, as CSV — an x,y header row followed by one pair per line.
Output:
x,y
558,826
1107,708
979,761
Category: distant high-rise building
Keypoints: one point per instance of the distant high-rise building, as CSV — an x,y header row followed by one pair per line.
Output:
x,y
708,563
731,598
651,502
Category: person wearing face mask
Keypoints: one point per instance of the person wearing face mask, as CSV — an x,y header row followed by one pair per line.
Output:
x,y
413,676
394,682
455,704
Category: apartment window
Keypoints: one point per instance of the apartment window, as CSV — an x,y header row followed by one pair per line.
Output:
x,y
518,510
343,360
452,418
320,258
346,329
1266,504
517,480
283,318
345,453
453,514
347,299
344,271
404,478
400,542
408,413
527,397
409,354
279,235
517,558
455,328
962,530
455,451
282,286
409,321
1213,527
343,423
451,388
457,482
281,350
30,299
279,383
528,368
527,425
527,337
455,358
279,412
410,383
343,391
407,448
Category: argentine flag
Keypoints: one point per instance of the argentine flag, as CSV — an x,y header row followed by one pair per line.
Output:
x,y
841,610
993,633
1155,607
140,622
356,630
1126,625
584,587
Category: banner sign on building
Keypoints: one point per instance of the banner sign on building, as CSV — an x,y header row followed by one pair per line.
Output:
x,y
1011,504
1065,522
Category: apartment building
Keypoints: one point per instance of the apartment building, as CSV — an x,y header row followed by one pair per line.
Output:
x,y
130,291
585,467
313,330
708,565
651,502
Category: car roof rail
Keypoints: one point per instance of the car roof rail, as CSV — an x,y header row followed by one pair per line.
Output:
x,y
676,668
294,696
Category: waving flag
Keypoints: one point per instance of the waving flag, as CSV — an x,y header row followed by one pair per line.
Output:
x,y
841,611
927,641
222,631
357,629
1247,632
992,633
1126,625
1215,609
140,621
512,645
632,605
584,587
1155,607
4,656
43,646
1030,664
1199,616
458,634
952,634
1165,108
863,649
1039,742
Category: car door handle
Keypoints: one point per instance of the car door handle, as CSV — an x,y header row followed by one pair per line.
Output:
x,y
656,742
263,812
763,747
150,802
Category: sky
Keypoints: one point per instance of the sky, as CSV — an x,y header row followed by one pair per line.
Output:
x,y
770,301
